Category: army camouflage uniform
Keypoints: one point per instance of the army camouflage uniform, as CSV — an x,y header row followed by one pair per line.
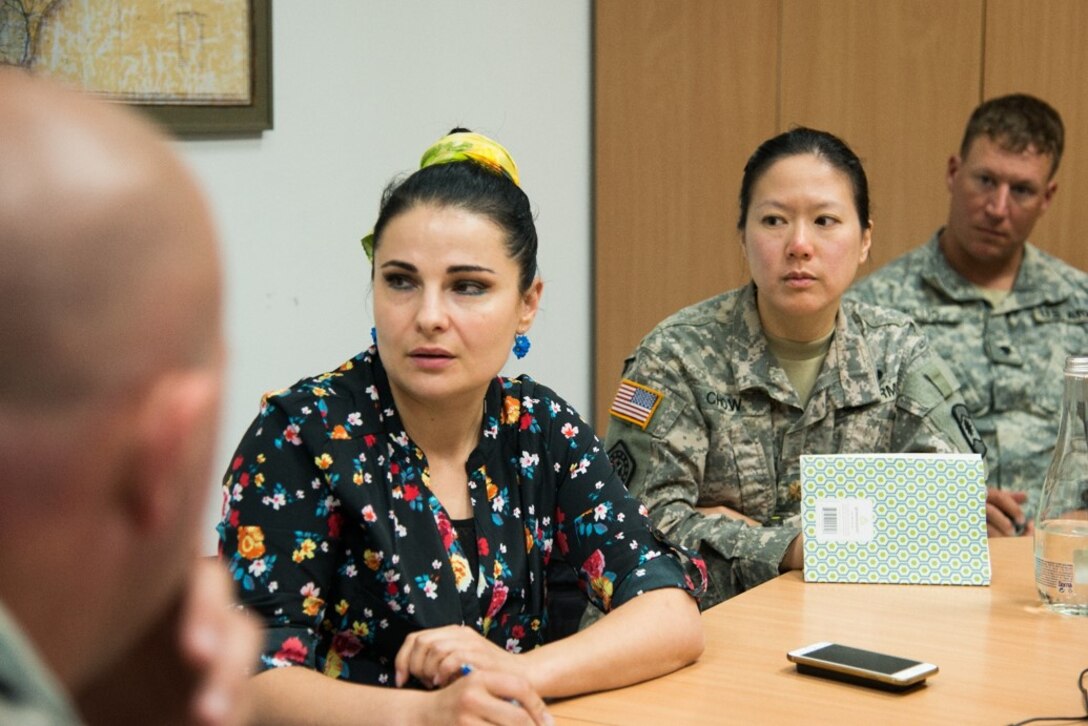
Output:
x,y
1008,360
727,428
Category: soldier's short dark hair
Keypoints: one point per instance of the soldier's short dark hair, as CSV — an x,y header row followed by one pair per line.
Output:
x,y
1017,122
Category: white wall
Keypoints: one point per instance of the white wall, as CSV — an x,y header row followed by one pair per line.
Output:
x,y
360,89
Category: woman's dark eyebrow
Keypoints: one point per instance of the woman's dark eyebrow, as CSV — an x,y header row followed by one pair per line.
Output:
x,y
469,268
409,267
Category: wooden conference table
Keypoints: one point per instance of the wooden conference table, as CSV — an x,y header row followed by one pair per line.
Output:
x,y
1002,656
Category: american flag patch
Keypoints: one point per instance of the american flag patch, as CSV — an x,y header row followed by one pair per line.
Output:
x,y
635,402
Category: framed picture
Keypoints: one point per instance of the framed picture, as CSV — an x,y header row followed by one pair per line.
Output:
x,y
199,67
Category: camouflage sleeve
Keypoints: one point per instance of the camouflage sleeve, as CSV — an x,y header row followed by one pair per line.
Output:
x,y
932,415
661,458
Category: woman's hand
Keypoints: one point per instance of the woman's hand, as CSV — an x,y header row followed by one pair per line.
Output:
x,y
486,697
436,656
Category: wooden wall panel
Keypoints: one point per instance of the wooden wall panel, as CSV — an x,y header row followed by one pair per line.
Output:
x,y
896,79
683,93
1039,48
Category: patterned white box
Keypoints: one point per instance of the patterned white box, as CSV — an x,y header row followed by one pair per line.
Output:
x,y
895,518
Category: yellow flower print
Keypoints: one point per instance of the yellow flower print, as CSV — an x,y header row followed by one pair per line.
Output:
x,y
461,574
603,587
357,478
360,629
528,540
312,605
258,479
272,394
492,490
497,570
339,432
511,410
323,462
320,392
260,458
372,559
251,542
333,664
342,607
305,551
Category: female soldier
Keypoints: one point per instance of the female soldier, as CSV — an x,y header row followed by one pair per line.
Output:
x,y
392,520
721,399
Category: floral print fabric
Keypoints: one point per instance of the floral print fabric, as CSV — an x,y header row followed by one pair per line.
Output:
x,y
332,534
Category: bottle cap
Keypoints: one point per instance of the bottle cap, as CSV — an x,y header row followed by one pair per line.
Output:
x,y
1076,365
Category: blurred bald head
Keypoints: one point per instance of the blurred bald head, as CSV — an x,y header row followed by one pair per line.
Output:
x,y
109,268
110,372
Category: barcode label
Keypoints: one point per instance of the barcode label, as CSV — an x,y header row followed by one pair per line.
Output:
x,y
847,519
829,519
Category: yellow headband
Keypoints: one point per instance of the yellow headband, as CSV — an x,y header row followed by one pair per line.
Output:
x,y
462,146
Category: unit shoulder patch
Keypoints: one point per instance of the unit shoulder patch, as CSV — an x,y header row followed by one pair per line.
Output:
x,y
622,462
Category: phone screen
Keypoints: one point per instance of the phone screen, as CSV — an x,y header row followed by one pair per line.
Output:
x,y
866,659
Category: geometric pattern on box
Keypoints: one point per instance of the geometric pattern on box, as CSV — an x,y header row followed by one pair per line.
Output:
x,y
895,518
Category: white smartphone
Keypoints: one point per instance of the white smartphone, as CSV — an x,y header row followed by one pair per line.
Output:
x,y
863,667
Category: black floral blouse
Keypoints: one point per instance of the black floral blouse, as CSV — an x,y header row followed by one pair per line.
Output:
x,y
332,535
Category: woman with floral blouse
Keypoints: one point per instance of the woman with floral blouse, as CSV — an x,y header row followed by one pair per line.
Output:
x,y
393,520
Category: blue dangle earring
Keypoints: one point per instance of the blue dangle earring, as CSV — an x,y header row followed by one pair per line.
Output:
x,y
521,345
374,334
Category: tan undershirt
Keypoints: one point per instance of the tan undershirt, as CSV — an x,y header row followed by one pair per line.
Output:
x,y
801,361
994,297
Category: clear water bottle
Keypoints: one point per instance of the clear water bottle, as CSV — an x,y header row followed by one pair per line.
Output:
x,y
1061,523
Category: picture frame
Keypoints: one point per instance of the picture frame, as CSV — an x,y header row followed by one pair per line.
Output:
x,y
194,121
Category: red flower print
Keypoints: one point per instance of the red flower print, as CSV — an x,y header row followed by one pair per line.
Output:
x,y
700,565
235,517
292,650
411,491
291,433
561,540
518,632
394,468
526,421
594,564
498,598
236,463
335,520
346,644
482,546
244,479
370,440
445,528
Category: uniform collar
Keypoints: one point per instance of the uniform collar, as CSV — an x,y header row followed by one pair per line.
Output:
x,y
1033,286
848,374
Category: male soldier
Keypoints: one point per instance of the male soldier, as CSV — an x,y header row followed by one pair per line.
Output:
x,y
110,374
1001,312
